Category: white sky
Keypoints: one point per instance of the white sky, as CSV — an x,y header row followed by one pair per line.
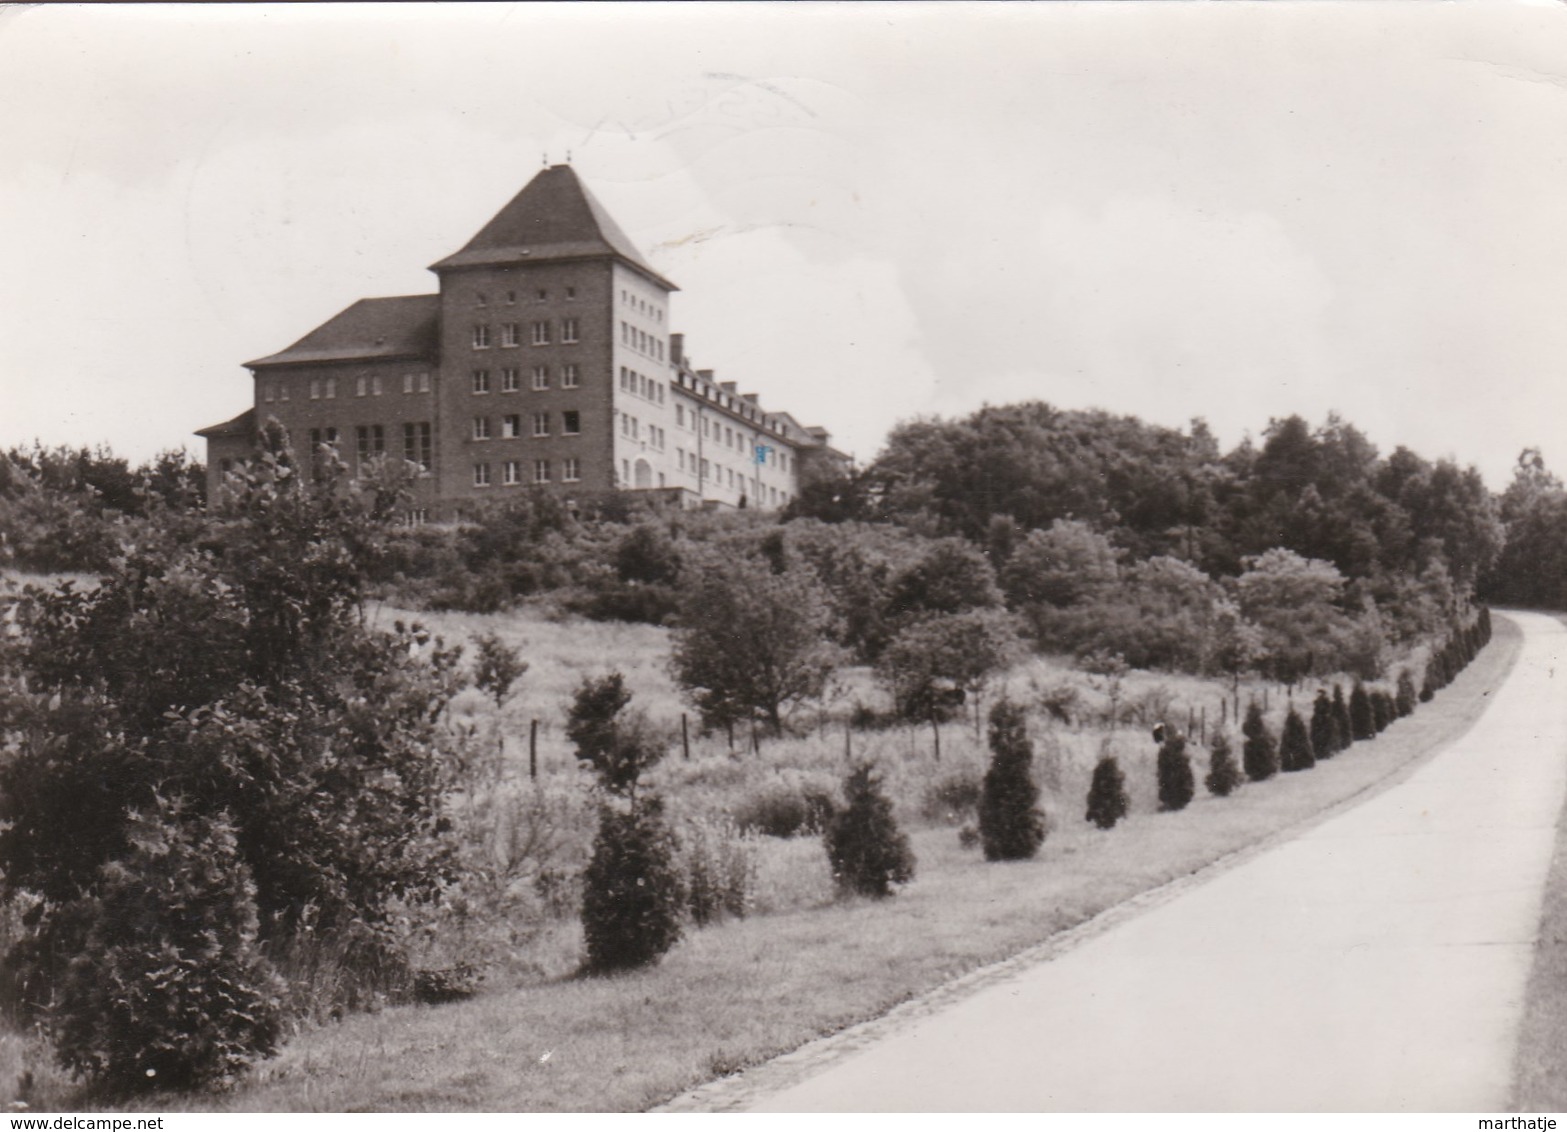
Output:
x,y
1226,211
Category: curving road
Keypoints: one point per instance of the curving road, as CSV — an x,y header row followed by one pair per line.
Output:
x,y
1376,963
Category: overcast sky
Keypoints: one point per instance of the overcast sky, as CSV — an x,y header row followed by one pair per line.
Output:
x,y
874,212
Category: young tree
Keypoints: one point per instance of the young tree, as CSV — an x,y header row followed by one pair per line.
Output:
x,y
1224,777
959,650
1107,799
1011,826
1295,751
633,890
752,642
868,853
1176,781
1324,727
1259,753
497,666
1404,699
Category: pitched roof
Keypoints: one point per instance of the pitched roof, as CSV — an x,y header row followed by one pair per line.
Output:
x,y
553,217
403,327
242,425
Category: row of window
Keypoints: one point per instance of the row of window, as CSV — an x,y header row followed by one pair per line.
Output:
x,y
638,303
727,477
643,386
642,341
365,385
543,472
539,333
370,442
570,378
511,425
542,295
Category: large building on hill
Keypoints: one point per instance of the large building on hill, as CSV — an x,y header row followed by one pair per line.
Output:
x,y
544,359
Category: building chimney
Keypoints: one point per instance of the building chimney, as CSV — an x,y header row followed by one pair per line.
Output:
x,y
677,348
727,386
705,374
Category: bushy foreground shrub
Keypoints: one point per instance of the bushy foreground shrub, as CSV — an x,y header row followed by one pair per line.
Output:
x,y
868,853
632,893
1010,823
171,989
1325,740
720,870
1107,800
781,811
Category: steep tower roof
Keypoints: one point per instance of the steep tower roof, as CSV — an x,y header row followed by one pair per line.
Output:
x,y
554,217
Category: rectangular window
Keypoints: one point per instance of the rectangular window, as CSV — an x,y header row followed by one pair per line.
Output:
x,y
481,475
266,392
680,416
375,386
570,469
541,333
571,293
510,471
541,377
541,471
481,428
481,381
511,297
542,295
511,426
282,391
568,376
331,387
570,423
625,378
508,334
509,380
704,467
416,444
541,424
361,386
568,330
370,440
481,337
424,383
408,383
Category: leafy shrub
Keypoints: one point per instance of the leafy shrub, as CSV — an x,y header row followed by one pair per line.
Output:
x,y
953,797
786,812
869,854
1177,784
1010,823
1224,777
1061,701
632,893
435,987
1107,800
1259,753
170,989
720,870
1295,751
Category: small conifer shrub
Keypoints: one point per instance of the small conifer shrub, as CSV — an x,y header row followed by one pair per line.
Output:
x,y
1107,800
1295,751
1381,710
869,854
1324,726
1362,726
1177,784
1224,777
1259,753
1346,728
633,892
1428,685
1404,700
1010,823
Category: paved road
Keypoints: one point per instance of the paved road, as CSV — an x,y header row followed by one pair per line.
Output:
x,y
1376,963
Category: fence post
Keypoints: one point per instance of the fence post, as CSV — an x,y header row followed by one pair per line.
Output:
x,y
533,750
685,738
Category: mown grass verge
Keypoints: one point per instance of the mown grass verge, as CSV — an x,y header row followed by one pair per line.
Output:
x,y
1540,1064
738,994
